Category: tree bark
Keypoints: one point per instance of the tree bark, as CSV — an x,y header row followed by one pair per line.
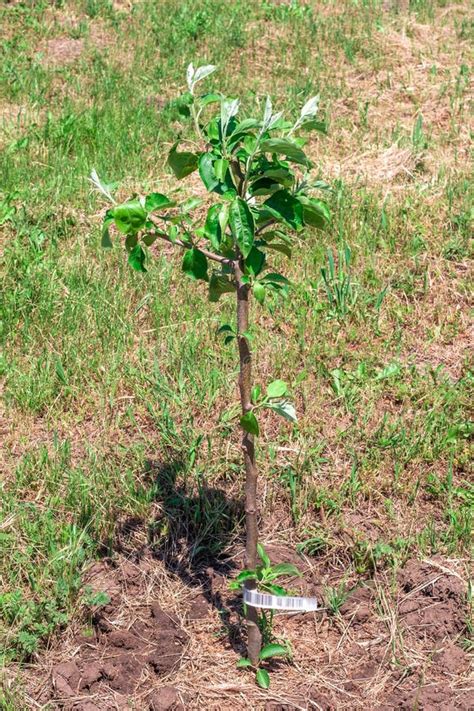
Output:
x,y
254,637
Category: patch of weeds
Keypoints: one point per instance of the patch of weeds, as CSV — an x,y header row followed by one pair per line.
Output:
x,y
428,540
326,501
456,250
45,546
335,597
49,564
316,541
418,137
352,487
285,11
347,385
369,557
98,8
458,536
11,696
292,481
341,290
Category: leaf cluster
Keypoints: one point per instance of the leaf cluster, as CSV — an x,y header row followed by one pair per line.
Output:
x,y
258,172
265,576
276,399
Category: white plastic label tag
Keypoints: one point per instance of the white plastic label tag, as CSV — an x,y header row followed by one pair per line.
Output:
x,y
275,602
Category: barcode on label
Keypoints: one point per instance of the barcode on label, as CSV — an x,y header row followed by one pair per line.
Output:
x,y
274,602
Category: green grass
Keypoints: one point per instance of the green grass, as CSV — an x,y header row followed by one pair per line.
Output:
x,y
104,369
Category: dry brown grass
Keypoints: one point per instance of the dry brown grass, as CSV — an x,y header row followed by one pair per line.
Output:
x,y
348,661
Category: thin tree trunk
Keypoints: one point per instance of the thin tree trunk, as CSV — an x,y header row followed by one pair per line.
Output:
x,y
254,637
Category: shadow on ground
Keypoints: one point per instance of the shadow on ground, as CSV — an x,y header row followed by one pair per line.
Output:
x,y
191,535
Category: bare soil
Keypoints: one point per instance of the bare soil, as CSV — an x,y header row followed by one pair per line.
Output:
x,y
165,642
120,654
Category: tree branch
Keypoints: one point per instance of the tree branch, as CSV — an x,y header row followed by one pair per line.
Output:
x,y
260,229
210,255
254,641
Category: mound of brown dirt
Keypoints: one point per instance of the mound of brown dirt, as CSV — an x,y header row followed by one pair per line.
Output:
x,y
357,607
432,697
433,604
130,649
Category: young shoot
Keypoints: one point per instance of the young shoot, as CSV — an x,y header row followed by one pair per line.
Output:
x,y
257,171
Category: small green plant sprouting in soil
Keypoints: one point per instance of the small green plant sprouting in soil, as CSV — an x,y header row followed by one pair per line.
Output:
x,y
335,597
340,288
266,576
258,171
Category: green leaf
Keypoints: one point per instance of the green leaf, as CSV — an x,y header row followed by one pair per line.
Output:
x,y
284,569
225,328
270,235
263,555
131,242
313,125
249,423
190,204
248,146
285,409
130,217
255,394
286,208
219,284
242,663
278,281
259,292
254,261
195,75
280,247
212,132
273,650
315,212
210,98
106,242
246,125
224,217
157,201
229,109
104,188
149,239
264,186
262,678
245,575
195,264
221,166
182,103
279,174
209,168
277,388
182,164
173,233
207,172
284,146
275,589
242,225
212,227
136,258
310,109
